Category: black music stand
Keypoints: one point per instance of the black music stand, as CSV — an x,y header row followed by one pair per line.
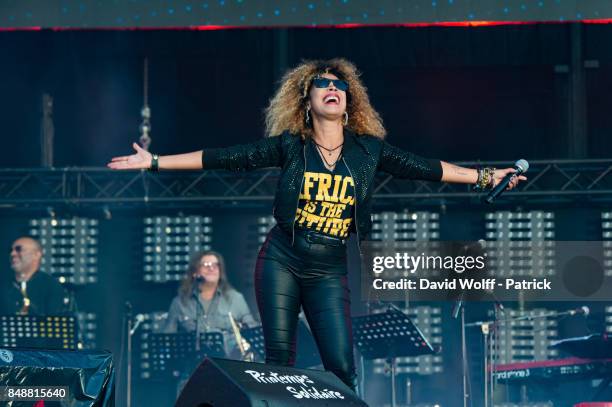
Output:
x,y
172,354
389,335
38,331
254,336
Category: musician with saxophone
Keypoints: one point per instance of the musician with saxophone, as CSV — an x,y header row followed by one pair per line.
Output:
x,y
206,302
30,291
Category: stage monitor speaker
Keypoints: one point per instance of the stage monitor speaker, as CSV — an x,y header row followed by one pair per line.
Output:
x,y
78,378
223,383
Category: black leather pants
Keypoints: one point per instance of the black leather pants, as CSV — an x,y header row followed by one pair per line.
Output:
x,y
311,275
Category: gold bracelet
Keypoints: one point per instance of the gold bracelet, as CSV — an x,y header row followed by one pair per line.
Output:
x,y
485,178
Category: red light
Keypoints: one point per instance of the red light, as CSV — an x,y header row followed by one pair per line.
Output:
x,y
481,23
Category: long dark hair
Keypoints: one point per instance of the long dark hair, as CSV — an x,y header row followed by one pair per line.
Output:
x,y
188,280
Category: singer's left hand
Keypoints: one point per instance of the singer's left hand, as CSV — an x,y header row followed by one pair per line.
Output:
x,y
498,175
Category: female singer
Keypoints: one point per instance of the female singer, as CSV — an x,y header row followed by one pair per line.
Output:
x,y
328,142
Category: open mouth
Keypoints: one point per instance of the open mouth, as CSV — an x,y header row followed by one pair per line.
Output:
x,y
331,99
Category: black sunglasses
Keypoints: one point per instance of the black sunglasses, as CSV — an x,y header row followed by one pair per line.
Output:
x,y
17,248
321,83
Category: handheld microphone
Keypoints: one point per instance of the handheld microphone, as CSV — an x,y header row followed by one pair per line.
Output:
x,y
521,167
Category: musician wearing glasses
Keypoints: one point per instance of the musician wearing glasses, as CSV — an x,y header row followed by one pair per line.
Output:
x,y
328,141
28,290
206,302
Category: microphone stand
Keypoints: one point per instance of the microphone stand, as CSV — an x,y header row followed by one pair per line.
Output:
x,y
196,295
128,333
392,361
485,328
464,360
459,309
524,318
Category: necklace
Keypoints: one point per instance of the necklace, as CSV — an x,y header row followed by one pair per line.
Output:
x,y
328,165
329,150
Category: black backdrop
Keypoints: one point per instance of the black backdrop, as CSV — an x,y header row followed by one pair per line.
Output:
x,y
449,92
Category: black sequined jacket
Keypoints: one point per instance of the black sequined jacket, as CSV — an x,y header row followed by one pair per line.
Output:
x,y
363,155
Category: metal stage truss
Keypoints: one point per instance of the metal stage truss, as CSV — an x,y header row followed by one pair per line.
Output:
x,y
550,181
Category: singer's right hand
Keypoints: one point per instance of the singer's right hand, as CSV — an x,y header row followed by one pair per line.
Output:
x,y
499,175
141,160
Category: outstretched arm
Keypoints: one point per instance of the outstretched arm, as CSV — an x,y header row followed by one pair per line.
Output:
x,y
456,174
263,153
142,159
403,164
460,175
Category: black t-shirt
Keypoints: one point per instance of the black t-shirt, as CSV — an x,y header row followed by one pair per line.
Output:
x,y
46,295
327,197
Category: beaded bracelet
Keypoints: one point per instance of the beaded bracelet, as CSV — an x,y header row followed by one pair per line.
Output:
x,y
485,179
480,172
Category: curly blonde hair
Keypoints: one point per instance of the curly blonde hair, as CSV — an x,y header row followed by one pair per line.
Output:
x,y
287,109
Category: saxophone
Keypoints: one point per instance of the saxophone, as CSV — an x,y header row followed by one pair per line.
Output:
x,y
246,352
25,307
